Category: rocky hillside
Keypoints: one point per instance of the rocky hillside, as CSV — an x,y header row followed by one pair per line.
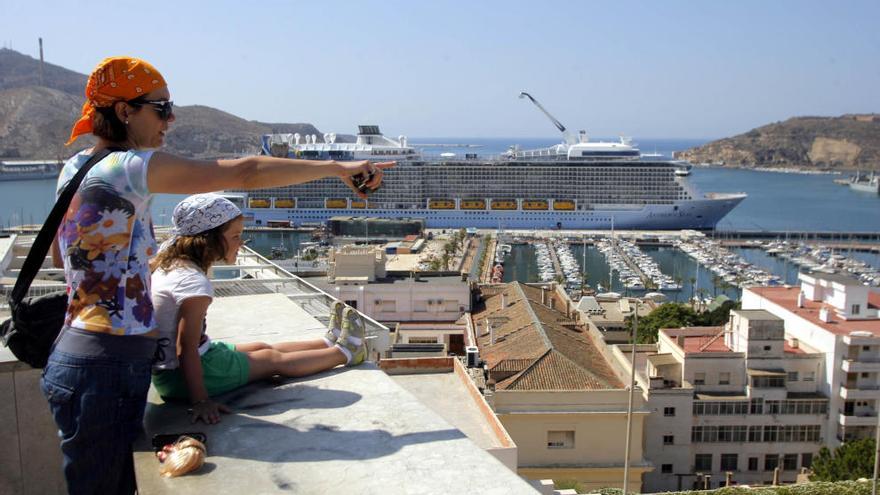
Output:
x,y
35,120
830,143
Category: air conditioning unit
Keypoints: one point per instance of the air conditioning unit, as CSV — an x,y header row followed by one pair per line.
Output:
x,y
473,356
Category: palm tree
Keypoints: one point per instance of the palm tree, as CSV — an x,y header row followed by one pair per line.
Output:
x,y
693,281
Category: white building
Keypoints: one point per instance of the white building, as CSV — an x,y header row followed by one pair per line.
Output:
x,y
425,309
839,316
742,398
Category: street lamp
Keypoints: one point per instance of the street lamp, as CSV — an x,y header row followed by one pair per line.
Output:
x,y
629,407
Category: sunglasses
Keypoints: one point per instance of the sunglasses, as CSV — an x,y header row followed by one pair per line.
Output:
x,y
163,107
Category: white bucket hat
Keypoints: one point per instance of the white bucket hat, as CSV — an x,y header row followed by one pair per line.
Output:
x,y
199,213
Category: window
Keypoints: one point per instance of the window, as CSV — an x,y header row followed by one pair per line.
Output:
x,y
864,375
809,376
789,462
666,468
560,439
729,462
771,462
806,460
768,382
669,411
756,406
766,347
668,439
855,309
792,376
866,348
724,378
699,378
422,340
703,462
753,463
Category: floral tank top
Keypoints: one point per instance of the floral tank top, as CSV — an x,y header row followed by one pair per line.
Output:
x,y
106,241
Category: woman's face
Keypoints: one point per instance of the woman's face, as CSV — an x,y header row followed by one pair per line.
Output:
x,y
145,128
232,236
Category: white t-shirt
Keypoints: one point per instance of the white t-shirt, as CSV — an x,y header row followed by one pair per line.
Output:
x,y
169,289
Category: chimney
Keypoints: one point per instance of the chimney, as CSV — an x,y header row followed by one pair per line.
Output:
x,y
503,300
543,296
800,299
680,340
491,333
795,343
568,308
825,315
552,303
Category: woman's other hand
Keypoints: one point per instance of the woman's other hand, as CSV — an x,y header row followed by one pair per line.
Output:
x,y
365,168
208,411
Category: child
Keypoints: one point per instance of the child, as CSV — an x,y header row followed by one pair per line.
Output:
x,y
207,229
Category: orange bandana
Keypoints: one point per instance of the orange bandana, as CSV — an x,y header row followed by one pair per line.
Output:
x,y
115,79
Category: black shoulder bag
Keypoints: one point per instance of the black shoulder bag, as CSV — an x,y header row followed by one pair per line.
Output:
x,y
37,320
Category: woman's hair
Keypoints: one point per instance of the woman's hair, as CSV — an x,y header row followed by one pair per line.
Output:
x,y
203,248
105,124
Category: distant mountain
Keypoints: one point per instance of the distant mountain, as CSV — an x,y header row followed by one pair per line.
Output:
x,y
35,119
830,143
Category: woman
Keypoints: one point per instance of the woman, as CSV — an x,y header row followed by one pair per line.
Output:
x,y
98,373
208,229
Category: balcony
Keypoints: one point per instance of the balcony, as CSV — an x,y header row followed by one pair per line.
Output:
x,y
856,419
863,365
855,391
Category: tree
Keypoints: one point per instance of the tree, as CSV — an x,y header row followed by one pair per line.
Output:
x,y
669,315
850,461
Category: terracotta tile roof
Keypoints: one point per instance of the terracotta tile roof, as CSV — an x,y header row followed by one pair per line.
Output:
x,y
541,347
707,339
553,371
786,297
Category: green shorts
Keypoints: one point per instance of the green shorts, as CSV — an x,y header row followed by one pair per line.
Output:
x,y
223,369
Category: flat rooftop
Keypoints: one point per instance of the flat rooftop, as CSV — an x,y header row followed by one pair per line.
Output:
x,y
711,339
347,430
786,298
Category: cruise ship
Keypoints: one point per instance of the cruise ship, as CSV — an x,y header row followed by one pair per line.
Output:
x,y
577,184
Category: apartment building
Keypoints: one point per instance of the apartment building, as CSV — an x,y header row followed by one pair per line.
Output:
x,y
424,310
553,389
742,398
841,317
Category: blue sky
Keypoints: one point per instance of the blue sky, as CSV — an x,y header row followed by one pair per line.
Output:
x,y
695,69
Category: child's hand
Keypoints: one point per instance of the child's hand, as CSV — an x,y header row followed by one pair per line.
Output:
x,y
208,411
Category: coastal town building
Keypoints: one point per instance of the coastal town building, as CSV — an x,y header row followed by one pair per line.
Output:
x,y
840,316
553,389
609,313
742,398
423,309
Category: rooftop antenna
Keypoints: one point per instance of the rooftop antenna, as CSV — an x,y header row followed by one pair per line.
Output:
x,y
566,136
41,61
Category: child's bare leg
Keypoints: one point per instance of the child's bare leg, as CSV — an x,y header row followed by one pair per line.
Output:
x,y
304,345
265,363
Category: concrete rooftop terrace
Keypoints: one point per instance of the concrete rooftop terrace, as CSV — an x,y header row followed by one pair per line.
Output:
x,y
348,430
786,298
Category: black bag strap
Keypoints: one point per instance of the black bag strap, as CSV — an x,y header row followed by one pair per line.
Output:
x,y
43,242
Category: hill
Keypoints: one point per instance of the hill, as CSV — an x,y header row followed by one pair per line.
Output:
x,y
35,120
830,143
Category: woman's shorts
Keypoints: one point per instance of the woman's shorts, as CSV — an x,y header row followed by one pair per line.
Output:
x,y
223,369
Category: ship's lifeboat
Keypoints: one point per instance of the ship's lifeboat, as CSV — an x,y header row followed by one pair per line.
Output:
x,y
473,204
258,203
285,203
503,204
535,204
358,203
441,204
563,204
336,203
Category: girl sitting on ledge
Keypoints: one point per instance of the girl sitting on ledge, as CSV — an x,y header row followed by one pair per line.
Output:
x,y
207,229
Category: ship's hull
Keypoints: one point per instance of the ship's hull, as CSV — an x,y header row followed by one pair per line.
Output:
x,y
700,214
865,186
